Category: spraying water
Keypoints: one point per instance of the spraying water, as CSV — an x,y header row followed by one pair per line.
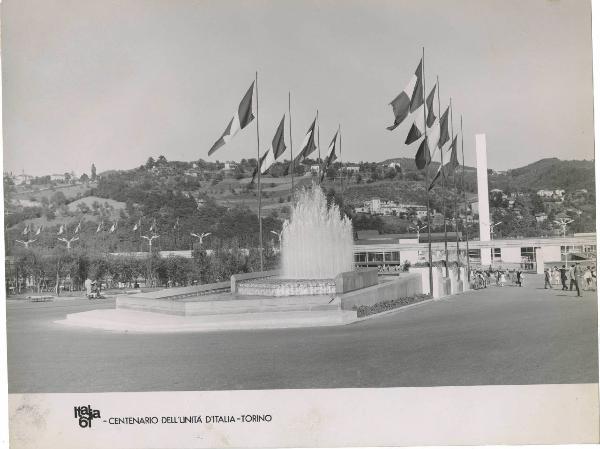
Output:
x,y
317,242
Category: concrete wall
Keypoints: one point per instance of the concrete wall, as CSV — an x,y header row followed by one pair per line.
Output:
x,y
353,280
245,276
511,254
407,284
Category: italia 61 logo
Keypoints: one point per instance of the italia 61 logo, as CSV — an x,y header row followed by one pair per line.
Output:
x,y
85,414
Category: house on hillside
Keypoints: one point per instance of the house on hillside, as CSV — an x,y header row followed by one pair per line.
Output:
x,y
541,217
58,177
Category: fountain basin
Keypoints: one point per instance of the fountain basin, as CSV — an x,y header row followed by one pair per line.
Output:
x,y
274,286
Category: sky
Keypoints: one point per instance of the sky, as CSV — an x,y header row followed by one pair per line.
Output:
x,y
115,82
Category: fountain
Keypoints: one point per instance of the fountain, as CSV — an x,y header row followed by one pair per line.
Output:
x,y
317,286
316,246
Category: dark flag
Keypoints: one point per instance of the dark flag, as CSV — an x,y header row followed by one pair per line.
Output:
x,y
440,173
240,120
453,155
278,144
265,162
430,114
423,157
416,130
331,157
308,144
444,135
409,99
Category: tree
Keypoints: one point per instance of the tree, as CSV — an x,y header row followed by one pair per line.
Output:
x,y
93,171
150,163
84,178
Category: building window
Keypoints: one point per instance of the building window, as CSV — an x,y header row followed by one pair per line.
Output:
x,y
496,254
475,255
393,256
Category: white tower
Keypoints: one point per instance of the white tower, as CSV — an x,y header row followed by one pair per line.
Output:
x,y
482,196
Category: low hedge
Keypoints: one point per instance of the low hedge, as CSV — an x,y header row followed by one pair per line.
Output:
x,y
383,306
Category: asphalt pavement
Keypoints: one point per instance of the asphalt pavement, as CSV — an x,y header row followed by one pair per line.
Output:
x,y
503,336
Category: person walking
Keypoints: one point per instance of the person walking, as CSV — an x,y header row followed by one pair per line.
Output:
x,y
572,280
578,278
88,288
587,278
519,278
547,279
563,277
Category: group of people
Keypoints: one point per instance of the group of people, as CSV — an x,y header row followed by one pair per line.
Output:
x,y
576,276
499,277
92,289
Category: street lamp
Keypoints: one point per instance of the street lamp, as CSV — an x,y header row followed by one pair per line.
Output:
x,y
278,234
563,222
68,242
200,237
493,227
26,244
418,229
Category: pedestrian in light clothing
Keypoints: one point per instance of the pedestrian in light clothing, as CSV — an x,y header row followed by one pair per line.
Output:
x,y
571,275
547,279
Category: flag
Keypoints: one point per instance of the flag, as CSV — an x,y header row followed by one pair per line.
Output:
x,y
423,156
100,225
453,155
78,228
433,136
430,114
308,144
176,225
137,225
440,172
153,225
26,230
242,117
265,163
113,227
444,137
39,230
449,167
409,99
61,230
416,130
331,156
278,143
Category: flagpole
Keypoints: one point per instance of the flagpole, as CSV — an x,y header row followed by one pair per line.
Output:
x,y
456,194
260,239
443,179
319,144
291,147
341,164
427,177
462,145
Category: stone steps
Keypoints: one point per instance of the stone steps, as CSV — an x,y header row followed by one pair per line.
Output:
x,y
124,320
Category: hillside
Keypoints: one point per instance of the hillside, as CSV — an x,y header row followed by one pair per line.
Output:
x,y
551,173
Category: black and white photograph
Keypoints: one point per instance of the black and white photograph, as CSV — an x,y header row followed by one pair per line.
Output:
x,y
177,231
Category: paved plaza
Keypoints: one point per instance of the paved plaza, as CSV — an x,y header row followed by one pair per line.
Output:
x,y
506,335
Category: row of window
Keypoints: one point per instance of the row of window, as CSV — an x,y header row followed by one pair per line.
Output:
x,y
384,256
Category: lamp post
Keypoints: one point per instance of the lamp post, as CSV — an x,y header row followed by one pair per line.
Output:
x,y
150,238
68,241
200,237
418,229
494,228
26,243
278,234
563,222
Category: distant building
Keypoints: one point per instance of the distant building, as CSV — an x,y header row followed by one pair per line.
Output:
x,y
58,177
541,217
376,206
352,168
